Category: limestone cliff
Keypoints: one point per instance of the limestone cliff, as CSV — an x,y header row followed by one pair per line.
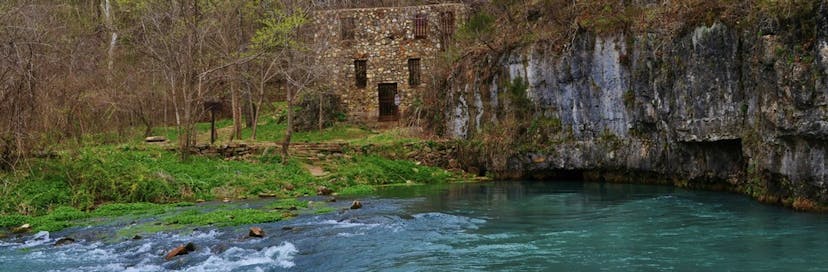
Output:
x,y
741,108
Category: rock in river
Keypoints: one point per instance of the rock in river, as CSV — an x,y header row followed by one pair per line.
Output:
x,y
180,250
256,232
64,241
356,205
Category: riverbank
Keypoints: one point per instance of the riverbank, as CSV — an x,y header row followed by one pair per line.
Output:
x,y
78,186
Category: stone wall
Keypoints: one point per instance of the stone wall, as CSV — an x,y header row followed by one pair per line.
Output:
x,y
385,38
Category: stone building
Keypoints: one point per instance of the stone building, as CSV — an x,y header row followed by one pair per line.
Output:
x,y
380,58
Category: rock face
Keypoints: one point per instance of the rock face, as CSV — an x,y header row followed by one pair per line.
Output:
x,y
715,106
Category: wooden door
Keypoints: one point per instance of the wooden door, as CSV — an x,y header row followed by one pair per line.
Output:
x,y
388,110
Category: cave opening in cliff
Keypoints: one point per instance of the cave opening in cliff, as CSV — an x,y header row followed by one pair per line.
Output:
x,y
558,175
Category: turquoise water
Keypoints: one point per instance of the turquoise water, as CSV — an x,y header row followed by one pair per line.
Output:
x,y
500,226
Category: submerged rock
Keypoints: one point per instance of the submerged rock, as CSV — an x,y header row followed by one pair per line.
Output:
x,y
137,237
64,241
322,190
180,250
356,205
256,232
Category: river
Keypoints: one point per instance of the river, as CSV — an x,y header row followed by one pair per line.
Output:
x,y
496,226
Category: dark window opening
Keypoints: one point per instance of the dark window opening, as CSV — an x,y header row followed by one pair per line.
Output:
x,y
361,71
347,27
420,26
413,72
446,28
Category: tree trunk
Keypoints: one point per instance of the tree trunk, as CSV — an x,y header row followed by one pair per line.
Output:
x,y
236,104
289,129
256,109
321,119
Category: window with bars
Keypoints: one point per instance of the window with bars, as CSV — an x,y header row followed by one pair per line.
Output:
x,y
347,28
420,26
361,72
446,28
413,72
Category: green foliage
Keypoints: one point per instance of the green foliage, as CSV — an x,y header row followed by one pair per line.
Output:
x,y
629,98
278,30
374,170
516,91
479,27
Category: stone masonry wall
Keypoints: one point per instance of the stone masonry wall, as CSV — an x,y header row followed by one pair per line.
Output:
x,y
385,38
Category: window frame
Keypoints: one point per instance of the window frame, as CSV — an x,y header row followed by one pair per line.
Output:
x,y
415,71
361,73
420,24
347,28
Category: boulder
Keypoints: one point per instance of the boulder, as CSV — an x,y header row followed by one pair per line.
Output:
x,y
256,232
267,195
64,241
356,205
322,190
180,250
156,139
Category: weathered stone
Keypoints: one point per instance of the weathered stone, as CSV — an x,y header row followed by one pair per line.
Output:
x,y
180,250
256,232
385,38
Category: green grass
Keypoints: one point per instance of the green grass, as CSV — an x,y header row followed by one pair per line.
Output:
x,y
375,170
358,190
126,174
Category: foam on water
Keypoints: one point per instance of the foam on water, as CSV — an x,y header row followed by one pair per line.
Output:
x,y
248,259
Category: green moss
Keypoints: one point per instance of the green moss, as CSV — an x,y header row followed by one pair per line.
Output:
x,y
324,210
121,209
358,190
287,204
224,217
